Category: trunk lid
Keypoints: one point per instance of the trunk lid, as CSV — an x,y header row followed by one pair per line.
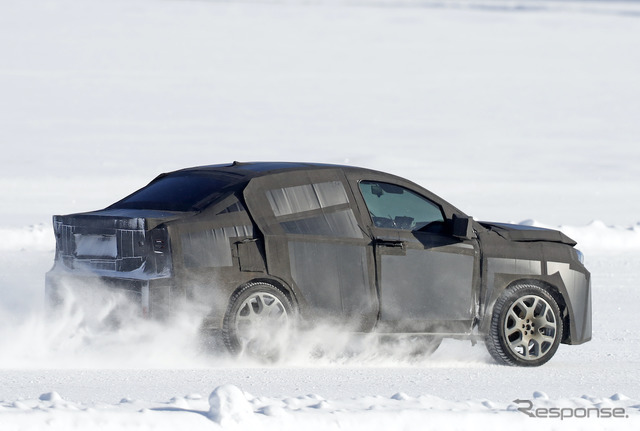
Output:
x,y
108,240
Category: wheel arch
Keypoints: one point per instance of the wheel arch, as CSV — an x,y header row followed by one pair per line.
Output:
x,y
554,287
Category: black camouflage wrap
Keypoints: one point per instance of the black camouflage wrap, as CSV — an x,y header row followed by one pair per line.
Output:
x,y
306,229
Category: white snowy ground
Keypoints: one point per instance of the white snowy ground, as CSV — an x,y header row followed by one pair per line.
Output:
x,y
512,110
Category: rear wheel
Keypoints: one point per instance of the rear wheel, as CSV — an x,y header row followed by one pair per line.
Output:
x,y
526,327
258,322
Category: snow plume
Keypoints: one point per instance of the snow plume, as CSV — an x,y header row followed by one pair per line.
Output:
x,y
329,344
107,332
98,327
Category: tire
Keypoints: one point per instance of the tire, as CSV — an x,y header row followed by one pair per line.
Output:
x,y
526,327
258,322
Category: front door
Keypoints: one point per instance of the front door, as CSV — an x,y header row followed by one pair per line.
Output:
x,y
425,275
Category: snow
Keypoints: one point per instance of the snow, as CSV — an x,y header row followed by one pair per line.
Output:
x,y
242,410
514,111
229,405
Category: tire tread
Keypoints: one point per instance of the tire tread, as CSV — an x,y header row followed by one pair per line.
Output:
x,y
227,331
493,338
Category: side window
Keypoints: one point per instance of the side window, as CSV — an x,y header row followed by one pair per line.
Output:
x,y
395,207
314,209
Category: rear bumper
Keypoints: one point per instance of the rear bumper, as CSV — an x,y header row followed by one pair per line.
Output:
x,y
153,296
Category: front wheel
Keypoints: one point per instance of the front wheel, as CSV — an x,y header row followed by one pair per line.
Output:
x,y
526,327
258,322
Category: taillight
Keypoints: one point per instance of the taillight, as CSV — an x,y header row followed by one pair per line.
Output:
x,y
159,240
161,249
159,245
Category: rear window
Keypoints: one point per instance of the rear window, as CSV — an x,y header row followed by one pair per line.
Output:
x,y
177,192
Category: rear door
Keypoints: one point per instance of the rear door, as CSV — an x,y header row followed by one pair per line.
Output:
x,y
315,242
426,277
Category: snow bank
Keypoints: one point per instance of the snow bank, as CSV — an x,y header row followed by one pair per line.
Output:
x,y
229,405
34,238
598,237
231,408
619,7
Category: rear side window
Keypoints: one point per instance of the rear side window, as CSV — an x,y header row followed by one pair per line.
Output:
x,y
314,209
308,197
176,192
395,207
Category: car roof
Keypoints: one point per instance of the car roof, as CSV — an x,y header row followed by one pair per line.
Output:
x,y
244,172
256,169
241,173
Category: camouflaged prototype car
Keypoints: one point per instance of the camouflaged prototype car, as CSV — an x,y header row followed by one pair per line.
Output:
x,y
264,244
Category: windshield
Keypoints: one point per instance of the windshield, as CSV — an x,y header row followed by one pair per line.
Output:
x,y
177,192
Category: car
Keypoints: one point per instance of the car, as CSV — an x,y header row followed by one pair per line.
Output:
x,y
269,246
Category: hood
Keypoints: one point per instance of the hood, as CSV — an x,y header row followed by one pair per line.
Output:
x,y
521,233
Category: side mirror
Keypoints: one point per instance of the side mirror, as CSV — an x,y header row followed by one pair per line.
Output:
x,y
462,227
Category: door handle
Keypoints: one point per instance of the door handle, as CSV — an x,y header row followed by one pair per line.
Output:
x,y
390,243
